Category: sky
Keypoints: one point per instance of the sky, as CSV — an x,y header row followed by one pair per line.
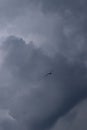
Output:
x,y
43,65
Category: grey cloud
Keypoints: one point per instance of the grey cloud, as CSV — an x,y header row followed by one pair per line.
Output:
x,y
34,101
75,119
52,5
78,6
13,12
49,29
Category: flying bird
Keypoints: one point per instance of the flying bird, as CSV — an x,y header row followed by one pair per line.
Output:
x,y
48,74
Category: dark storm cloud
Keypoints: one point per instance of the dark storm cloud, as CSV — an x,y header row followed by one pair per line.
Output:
x,y
59,23
55,5
35,101
75,119
13,8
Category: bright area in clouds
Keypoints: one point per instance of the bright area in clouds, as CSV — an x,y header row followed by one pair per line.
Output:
x,y
38,37
27,22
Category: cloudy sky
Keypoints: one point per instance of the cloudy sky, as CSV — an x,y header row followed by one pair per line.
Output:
x,y
43,65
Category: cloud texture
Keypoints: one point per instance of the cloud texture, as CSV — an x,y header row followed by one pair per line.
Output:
x,y
35,101
38,37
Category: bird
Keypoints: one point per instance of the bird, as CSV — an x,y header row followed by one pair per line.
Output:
x,y
48,74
